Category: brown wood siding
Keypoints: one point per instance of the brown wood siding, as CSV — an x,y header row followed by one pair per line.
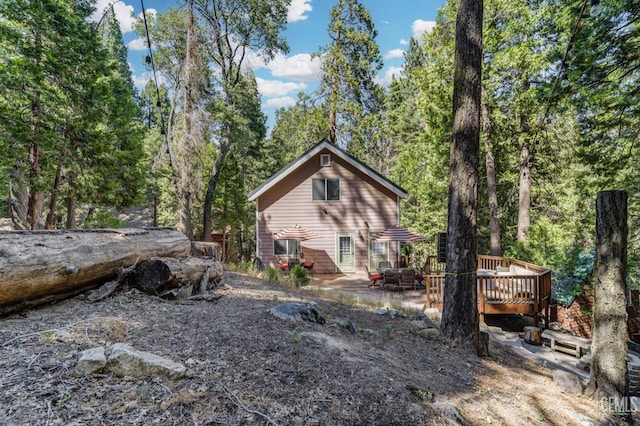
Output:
x,y
364,206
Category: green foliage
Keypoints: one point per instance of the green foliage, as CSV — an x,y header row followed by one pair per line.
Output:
x,y
273,275
66,106
349,65
299,275
102,219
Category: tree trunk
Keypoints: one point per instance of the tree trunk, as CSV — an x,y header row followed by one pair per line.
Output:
x,y
211,187
609,376
19,198
492,192
38,264
159,275
460,313
524,196
51,217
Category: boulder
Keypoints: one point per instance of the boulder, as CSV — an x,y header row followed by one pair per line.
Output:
x,y
124,360
92,361
297,312
345,323
450,412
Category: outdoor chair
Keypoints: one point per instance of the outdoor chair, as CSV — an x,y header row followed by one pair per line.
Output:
x,y
308,265
375,278
408,278
384,265
391,277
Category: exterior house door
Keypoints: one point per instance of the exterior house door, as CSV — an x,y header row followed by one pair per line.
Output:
x,y
345,248
378,252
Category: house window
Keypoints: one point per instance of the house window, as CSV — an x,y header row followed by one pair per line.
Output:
x,y
325,160
326,189
287,247
379,248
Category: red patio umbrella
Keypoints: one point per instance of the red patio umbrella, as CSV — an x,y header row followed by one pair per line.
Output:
x,y
398,234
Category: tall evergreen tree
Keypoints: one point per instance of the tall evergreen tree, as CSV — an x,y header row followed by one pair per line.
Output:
x,y
82,114
349,66
460,308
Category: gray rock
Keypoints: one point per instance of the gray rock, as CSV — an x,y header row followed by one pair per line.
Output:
x,y
92,361
429,332
391,312
569,382
298,312
451,413
583,420
434,314
124,360
346,324
421,316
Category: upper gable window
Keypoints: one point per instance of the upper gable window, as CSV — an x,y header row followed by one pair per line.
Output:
x,y
325,160
326,189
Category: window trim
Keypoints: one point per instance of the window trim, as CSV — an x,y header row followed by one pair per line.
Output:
x,y
325,190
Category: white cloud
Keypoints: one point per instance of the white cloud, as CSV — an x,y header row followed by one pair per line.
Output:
x,y
297,67
395,53
388,75
297,10
420,27
124,13
270,88
137,44
280,102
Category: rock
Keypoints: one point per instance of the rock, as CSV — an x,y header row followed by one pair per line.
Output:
x,y
421,316
346,324
92,361
124,360
297,312
569,382
582,420
533,335
434,314
450,412
430,332
391,312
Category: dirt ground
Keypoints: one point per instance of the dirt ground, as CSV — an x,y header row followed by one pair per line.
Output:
x,y
246,366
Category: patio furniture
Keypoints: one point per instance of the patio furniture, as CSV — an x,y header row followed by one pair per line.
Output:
x,y
308,265
375,278
383,265
391,277
408,278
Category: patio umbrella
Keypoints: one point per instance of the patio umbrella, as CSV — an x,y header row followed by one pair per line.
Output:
x,y
296,233
398,234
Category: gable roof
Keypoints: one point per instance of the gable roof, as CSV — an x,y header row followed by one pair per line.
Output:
x,y
334,149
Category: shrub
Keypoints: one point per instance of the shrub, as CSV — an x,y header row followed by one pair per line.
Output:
x,y
272,274
300,276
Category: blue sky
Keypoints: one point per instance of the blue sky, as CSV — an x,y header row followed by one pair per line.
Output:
x,y
280,80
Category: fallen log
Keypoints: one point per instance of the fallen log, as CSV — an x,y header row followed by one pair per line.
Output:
x,y
42,266
160,275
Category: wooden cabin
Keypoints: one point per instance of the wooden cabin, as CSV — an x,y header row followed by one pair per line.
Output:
x,y
505,286
339,199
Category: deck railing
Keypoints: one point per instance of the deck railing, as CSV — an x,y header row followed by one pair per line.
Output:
x,y
526,288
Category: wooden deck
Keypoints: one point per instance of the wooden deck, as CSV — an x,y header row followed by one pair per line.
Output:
x,y
505,286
